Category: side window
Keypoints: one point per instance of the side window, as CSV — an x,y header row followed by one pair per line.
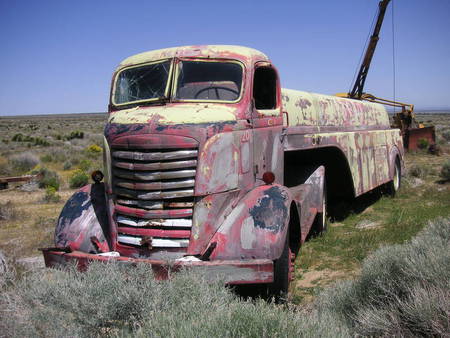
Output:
x,y
265,88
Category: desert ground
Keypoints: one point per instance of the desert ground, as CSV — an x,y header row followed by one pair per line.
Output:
x,y
66,148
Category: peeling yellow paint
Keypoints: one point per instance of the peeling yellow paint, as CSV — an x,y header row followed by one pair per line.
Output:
x,y
175,114
310,109
211,51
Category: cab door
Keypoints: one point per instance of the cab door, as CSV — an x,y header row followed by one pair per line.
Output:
x,y
267,121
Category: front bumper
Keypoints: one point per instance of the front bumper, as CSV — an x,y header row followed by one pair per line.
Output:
x,y
231,271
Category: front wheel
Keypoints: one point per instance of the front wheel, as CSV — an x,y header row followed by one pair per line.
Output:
x,y
282,273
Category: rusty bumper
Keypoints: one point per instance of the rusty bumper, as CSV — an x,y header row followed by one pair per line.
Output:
x,y
231,271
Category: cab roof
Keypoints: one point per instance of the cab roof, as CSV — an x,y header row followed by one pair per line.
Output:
x,y
243,54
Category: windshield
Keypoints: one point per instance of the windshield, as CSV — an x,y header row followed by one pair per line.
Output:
x,y
142,83
208,81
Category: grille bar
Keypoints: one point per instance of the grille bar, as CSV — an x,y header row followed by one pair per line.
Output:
x,y
154,214
156,185
152,176
172,223
156,242
159,233
154,156
153,188
155,165
154,195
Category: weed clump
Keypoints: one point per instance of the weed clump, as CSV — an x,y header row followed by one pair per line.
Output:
x,y
423,143
24,162
78,179
445,171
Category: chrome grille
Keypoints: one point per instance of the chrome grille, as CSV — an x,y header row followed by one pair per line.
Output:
x,y
154,195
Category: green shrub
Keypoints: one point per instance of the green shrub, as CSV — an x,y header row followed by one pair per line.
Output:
x,y
445,170
23,162
85,165
38,141
67,165
17,137
78,179
48,178
422,143
46,158
75,134
51,196
402,289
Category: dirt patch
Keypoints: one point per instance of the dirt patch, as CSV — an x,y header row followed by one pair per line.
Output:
x,y
367,224
312,279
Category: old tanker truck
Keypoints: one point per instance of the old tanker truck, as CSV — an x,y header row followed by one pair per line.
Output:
x,y
210,164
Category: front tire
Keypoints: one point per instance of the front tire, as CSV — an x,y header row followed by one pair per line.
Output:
x,y
282,273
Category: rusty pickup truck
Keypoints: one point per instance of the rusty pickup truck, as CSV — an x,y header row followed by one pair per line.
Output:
x,y
210,164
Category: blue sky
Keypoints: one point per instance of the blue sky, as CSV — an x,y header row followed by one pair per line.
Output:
x,y
58,56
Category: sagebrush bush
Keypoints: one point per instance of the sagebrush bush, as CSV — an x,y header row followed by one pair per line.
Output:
x,y
85,165
47,178
67,165
126,301
51,196
445,170
7,211
24,162
446,135
402,291
76,134
417,170
78,179
46,158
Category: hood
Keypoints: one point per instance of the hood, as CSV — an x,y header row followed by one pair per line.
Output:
x,y
175,114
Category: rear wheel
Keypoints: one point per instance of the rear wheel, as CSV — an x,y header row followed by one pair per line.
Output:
x,y
394,185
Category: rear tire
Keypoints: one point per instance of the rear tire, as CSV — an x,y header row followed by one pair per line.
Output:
x,y
394,185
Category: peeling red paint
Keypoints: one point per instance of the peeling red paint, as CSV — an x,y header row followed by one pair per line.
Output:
x,y
185,178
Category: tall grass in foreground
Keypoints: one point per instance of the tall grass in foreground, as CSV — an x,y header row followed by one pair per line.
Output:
x,y
403,290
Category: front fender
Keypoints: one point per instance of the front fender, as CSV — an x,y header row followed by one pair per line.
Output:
x,y
83,222
257,226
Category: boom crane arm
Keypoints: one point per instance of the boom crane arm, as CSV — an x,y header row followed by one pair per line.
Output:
x,y
358,87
